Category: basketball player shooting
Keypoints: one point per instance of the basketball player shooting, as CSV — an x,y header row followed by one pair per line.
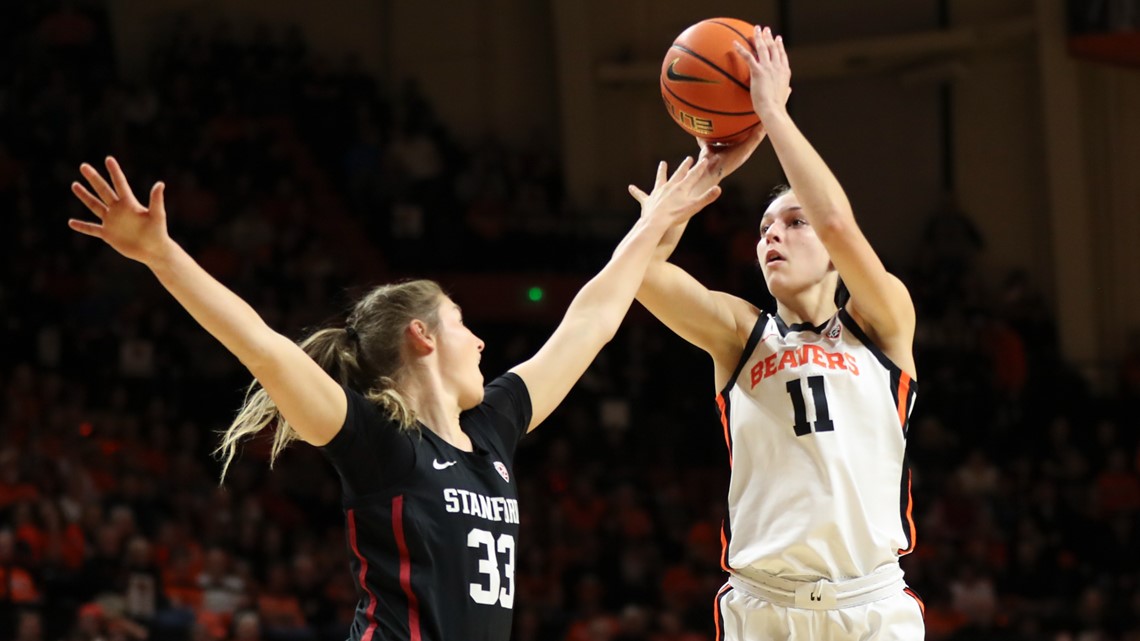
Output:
x,y
395,400
815,400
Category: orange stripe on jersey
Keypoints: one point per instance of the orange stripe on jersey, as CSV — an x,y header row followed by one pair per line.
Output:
x,y
914,595
716,612
724,550
720,402
909,515
903,395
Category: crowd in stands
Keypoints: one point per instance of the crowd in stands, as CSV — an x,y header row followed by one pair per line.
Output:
x,y
291,178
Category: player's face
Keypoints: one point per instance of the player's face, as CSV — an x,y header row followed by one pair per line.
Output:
x,y
459,353
792,258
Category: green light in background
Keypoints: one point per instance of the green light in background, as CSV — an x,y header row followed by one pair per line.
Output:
x,y
535,294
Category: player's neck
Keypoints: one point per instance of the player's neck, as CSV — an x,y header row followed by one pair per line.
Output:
x,y
437,410
449,430
810,307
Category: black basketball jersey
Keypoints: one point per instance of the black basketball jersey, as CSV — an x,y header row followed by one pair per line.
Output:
x,y
432,530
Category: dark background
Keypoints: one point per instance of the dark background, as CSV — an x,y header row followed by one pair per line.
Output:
x,y
298,183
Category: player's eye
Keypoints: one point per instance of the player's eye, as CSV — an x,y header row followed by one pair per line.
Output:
x,y
764,229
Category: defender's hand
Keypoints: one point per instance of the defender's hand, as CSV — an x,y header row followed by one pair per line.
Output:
x,y
135,231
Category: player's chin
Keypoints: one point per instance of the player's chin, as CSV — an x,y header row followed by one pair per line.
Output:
x,y
771,279
779,285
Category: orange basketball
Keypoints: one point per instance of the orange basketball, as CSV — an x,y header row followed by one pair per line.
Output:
x,y
705,83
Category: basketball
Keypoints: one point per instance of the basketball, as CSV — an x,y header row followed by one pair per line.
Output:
x,y
705,83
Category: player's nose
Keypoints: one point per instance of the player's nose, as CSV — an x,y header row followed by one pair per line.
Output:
x,y
772,233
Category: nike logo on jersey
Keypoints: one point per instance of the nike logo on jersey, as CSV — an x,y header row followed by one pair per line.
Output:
x,y
442,466
672,74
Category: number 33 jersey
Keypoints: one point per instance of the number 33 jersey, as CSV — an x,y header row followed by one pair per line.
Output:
x,y
432,530
816,420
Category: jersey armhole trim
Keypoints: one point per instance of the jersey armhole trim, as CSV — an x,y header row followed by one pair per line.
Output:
x,y
749,347
853,327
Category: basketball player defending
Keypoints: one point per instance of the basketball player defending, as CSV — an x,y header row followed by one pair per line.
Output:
x,y
814,399
396,401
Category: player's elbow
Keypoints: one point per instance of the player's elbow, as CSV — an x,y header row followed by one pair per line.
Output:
x,y
835,224
596,328
602,327
265,354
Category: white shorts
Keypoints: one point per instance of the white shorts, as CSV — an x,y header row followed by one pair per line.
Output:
x,y
741,615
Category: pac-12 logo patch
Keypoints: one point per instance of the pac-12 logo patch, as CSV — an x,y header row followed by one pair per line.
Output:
x,y
834,332
502,469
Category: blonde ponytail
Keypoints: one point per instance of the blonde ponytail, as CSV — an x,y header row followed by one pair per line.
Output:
x,y
366,355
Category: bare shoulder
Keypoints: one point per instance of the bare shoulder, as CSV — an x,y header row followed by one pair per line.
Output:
x,y
745,315
896,340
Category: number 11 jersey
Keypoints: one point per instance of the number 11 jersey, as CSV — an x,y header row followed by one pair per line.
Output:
x,y
432,530
815,419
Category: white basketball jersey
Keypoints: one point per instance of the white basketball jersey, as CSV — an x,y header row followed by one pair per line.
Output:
x,y
815,420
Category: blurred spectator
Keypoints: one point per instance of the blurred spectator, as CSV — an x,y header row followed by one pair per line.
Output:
x,y
977,476
1118,486
29,626
279,609
247,627
972,593
18,589
290,177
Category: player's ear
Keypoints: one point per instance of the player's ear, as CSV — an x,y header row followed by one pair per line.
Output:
x,y
420,338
